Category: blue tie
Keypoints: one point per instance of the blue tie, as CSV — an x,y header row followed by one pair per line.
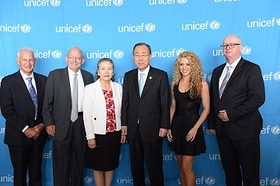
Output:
x,y
141,83
224,83
33,94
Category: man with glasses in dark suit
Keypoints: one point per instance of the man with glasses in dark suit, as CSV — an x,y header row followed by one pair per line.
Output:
x,y
236,93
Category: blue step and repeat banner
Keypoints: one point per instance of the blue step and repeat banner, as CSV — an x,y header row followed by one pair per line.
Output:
x,y
110,28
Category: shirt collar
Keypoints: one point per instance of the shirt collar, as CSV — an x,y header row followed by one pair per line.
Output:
x,y
146,71
71,72
234,64
24,76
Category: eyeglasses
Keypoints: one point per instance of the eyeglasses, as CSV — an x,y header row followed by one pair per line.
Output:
x,y
75,58
141,55
229,46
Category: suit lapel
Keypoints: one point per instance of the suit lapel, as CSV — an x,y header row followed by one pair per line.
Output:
x,y
22,85
66,84
135,83
85,78
38,86
149,81
217,80
235,73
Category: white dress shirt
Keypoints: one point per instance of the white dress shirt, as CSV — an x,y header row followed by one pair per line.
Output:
x,y
233,65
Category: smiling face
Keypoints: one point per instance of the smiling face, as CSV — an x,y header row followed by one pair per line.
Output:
x,y
185,67
233,49
26,61
75,59
142,57
105,70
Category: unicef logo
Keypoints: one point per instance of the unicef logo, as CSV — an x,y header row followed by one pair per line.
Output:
x,y
56,54
55,3
88,179
181,1
275,130
278,21
210,181
150,27
87,28
179,51
118,54
276,76
214,25
25,28
275,182
246,50
118,2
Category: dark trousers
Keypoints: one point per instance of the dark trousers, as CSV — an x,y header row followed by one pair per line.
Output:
x,y
152,151
240,160
69,156
28,157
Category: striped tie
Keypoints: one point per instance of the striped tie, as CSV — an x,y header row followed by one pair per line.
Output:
x,y
225,80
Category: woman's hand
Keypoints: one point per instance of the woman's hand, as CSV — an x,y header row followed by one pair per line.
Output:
x,y
169,135
191,134
91,143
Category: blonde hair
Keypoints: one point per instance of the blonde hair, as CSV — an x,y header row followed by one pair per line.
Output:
x,y
196,75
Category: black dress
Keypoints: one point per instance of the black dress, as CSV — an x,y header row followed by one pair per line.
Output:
x,y
185,117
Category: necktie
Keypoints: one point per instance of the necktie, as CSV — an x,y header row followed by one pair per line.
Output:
x,y
74,111
225,80
141,83
33,95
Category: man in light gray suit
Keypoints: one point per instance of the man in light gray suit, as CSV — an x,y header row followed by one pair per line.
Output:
x,y
68,133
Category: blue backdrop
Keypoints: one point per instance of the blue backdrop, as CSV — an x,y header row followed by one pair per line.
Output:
x,y
110,28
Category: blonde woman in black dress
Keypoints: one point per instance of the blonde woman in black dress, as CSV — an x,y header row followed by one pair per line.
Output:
x,y
102,112
189,91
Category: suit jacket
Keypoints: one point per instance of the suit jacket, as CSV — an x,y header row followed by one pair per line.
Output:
x,y
17,107
95,111
151,109
57,101
242,97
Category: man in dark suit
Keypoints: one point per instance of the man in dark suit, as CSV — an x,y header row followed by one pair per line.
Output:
x,y
237,92
68,134
145,116
25,134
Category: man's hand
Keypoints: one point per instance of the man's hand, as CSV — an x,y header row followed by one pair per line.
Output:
x,y
31,133
124,130
39,128
162,132
51,130
223,115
